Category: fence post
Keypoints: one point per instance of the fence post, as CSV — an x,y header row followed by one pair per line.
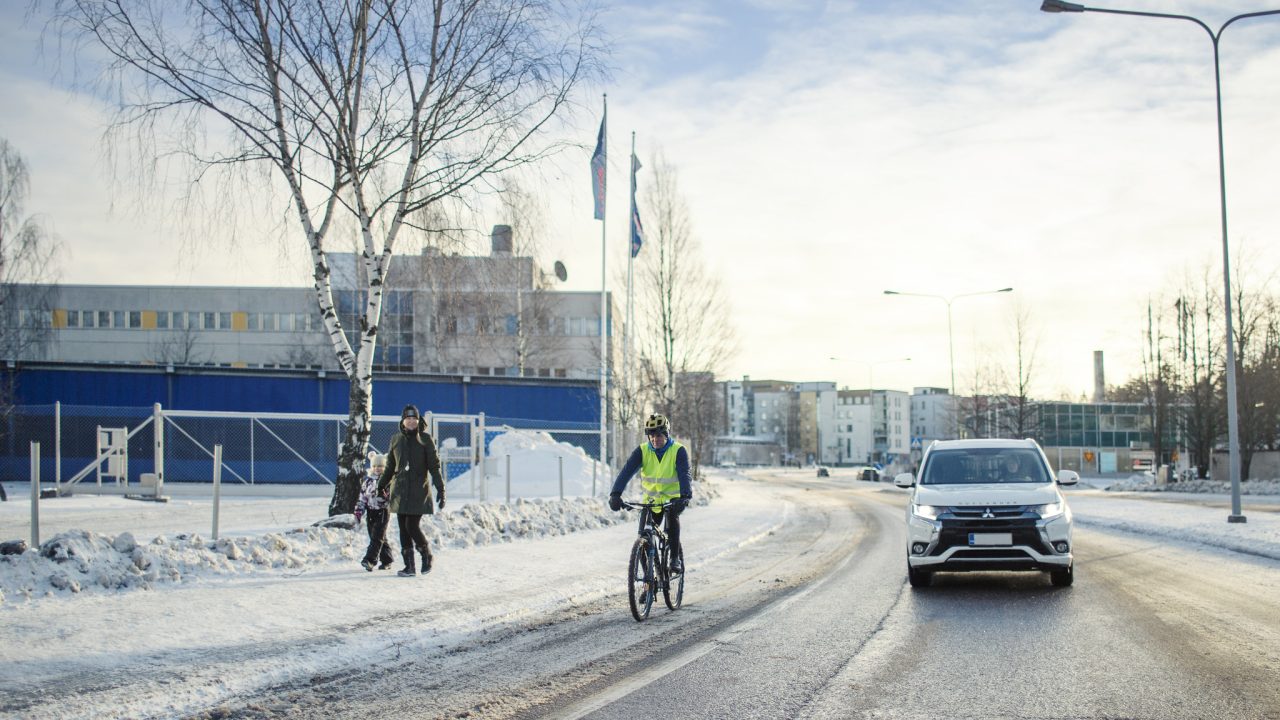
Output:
x,y
157,427
595,468
508,479
252,460
561,459
480,456
217,486
35,495
57,446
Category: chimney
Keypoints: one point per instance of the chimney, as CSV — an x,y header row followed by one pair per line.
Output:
x,y
1099,381
501,239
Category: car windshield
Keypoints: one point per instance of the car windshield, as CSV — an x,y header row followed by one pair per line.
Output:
x,y
983,465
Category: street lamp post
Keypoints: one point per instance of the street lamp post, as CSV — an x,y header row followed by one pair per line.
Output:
x,y
951,340
1233,425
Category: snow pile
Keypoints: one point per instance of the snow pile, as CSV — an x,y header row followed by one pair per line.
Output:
x,y
84,562
535,466
1146,483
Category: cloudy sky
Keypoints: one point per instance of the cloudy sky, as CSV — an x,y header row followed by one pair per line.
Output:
x,y
830,151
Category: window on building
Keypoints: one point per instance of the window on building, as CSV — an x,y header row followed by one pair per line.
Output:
x,y
560,372
135,318
210,321
117,319
251,321
73,318
301,322
162,320
224,321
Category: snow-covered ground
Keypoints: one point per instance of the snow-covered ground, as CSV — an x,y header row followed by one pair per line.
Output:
x,y
140,586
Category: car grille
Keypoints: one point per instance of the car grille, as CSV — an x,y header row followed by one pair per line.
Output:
x,y
958,522
978,511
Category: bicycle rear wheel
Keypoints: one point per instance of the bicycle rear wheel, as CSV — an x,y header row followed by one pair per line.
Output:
x,y
673,588
640,580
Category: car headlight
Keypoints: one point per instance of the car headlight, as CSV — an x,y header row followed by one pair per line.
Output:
x,y
926,512
1047,511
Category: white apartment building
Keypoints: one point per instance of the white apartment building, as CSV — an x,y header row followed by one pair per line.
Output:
x,y
932,416
852,419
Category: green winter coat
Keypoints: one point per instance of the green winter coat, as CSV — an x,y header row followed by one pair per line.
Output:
x,y
409,460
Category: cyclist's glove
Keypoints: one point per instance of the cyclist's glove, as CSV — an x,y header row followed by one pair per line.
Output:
x,y
679,503
615,502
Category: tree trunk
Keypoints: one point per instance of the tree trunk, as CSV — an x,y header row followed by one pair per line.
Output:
x,y
351,459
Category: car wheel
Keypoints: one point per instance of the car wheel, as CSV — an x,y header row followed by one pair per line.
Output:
x,y
919,578
1062,578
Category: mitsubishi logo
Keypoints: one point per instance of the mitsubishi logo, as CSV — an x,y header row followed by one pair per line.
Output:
x,y
988,514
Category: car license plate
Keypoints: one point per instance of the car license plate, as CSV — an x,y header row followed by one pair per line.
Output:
x,y
990,538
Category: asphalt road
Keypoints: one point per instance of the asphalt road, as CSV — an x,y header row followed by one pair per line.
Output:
x,y
817,621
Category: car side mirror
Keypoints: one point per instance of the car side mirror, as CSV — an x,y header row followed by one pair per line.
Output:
x,y
1068,477
904,480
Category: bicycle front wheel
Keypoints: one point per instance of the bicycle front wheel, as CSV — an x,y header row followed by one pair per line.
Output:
x,y
640,580
673,588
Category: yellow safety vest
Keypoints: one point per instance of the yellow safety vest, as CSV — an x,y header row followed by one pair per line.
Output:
x,y
658,476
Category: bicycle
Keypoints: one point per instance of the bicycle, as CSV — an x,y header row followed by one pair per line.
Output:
x,y
649,568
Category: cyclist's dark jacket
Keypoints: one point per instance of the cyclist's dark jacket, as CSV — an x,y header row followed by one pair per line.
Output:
x,y
637,459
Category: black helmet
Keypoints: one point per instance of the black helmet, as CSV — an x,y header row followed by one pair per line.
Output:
x,y
409,411
657,423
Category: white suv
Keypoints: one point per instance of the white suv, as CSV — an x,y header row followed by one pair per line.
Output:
x,y
987,505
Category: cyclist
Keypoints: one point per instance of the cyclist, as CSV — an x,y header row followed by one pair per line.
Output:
x,y
663,465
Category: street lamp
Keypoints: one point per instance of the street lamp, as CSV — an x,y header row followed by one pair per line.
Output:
x,y
951,338
1233,425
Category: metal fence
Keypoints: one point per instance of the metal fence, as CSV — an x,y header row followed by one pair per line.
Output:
x,y
96,446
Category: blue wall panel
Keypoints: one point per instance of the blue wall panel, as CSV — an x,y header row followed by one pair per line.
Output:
x,y
248,391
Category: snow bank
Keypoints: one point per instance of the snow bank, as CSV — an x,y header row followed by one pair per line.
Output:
x,y
1146,483
1180,521
83,562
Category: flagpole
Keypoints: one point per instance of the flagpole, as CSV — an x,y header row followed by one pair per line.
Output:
x,y
604,389
630,316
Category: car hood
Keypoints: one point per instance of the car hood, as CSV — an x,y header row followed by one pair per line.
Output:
x,y
987,494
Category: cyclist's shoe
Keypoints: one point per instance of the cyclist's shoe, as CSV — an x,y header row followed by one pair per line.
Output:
x,y
366,565
677,566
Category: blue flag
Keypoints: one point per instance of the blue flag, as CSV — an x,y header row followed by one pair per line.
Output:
x,y
598,163
637,229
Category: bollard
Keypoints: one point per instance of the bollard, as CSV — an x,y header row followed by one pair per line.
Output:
x,y
217,486
57,447
561,459
508,479
35,495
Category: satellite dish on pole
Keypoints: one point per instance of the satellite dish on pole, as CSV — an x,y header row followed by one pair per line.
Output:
x,y
561,273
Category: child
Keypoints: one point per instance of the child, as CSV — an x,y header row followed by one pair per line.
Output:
x,y
375,506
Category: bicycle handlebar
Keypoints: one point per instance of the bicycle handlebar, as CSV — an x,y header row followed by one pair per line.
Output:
x,y
637,506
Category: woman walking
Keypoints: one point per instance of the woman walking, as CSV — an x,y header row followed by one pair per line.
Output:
x,y
410,459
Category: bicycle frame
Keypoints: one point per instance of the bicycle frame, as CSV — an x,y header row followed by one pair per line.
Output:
x,y
656,564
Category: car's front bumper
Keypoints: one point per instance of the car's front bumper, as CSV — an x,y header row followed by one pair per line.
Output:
x,y
942,544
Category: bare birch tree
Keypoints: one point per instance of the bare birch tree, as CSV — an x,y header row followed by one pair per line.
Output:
x,y
1020,416
682,316
372,111
27,254
1199,369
